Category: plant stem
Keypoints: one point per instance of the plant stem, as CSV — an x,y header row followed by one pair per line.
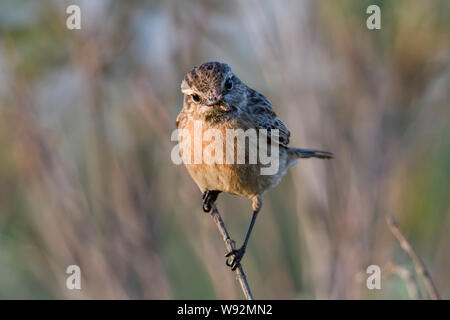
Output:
x,y
230,245
420,266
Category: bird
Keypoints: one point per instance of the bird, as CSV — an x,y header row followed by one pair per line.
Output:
x,y
217,99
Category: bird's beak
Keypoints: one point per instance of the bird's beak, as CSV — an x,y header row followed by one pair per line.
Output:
x,y
214,98
214,101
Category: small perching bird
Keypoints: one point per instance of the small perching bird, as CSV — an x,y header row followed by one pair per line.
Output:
x,y
217,102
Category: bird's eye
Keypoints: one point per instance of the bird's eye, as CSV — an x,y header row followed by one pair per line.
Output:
x,y
228,84
196,98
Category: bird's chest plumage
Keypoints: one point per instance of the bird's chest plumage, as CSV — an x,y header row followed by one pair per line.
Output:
x,y
211,158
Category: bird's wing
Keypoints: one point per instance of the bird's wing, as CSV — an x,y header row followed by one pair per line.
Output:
x,y
261,114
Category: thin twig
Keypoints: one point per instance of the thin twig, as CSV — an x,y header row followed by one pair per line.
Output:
x,y
230,245
407,276
420,266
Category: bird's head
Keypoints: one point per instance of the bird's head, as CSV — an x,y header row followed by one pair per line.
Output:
x,y
212,87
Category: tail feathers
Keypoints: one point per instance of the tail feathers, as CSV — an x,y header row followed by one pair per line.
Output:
x,y
309,153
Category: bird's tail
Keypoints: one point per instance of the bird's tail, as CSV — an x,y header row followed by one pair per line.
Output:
x,y
296,153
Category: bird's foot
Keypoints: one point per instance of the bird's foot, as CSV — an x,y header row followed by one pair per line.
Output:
x,y
206,207
237,254
208,198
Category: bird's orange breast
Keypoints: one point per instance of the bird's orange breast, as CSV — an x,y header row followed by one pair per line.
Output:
x,y
205,151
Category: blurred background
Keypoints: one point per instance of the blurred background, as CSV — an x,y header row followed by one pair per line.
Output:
x,y
85,171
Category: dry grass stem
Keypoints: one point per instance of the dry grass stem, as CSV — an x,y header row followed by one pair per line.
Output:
x,y
407,276
230,245
420,266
